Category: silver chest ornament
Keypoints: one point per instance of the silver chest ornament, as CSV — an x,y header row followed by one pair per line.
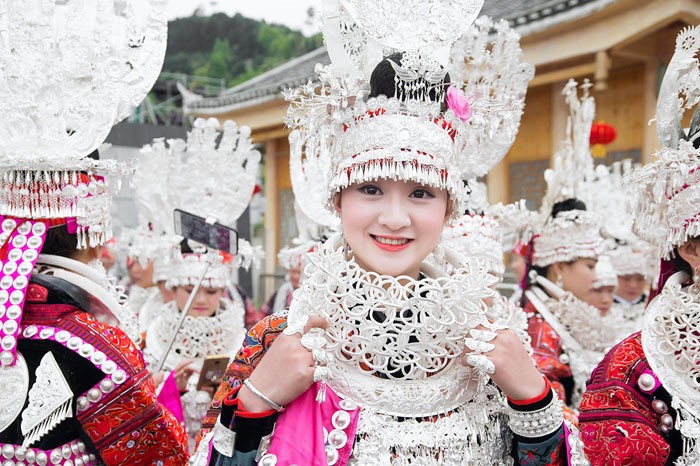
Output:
x,y
14,386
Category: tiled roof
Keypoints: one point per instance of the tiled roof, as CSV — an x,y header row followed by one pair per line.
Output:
x,y
525,15
293,73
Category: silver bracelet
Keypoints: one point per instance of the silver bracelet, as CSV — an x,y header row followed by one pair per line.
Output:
x,y
532,424
259,394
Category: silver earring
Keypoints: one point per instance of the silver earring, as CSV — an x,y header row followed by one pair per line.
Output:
x,y
439,254
560,281
347,250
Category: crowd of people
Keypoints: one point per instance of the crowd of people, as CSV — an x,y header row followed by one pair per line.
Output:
x,y
391,341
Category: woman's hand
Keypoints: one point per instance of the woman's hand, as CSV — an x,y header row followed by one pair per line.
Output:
x,y
182,374
158,378
512,368
285,371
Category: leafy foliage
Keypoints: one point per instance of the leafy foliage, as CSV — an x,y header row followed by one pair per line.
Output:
x,y
233,48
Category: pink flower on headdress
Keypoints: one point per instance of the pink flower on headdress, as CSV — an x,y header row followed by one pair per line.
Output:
x,y
458,103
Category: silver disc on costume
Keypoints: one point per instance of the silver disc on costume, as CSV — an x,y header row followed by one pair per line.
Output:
x,y
14,386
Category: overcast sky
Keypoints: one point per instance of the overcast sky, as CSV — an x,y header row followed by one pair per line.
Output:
x,y
289,12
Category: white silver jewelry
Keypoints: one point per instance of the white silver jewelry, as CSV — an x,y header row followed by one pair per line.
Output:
x,y
358,346
262,396
479,347
482,335
538,423
481,362
296,324
49,401
669,338
14,385
224,439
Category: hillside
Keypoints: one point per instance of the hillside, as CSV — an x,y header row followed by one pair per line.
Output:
x,y
233,48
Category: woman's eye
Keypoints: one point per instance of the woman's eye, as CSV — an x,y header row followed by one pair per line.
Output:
x,y
422,194
211,292
370,189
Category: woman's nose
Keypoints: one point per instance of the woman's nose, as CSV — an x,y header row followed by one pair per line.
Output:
x,y
394,214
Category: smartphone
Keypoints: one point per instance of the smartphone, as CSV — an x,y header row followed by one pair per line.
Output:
x,y
213,371
213,235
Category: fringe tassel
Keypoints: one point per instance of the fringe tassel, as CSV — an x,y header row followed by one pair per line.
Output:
x,y
60,414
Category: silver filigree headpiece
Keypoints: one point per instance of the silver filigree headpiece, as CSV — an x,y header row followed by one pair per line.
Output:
x,y
667,191
607,196
605,273
573,234
409,137
574,162
638,257
478,236
211,174
186,269
71,70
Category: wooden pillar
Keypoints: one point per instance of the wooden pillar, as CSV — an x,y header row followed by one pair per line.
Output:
x,y
271,213
651,82
497,183
560,115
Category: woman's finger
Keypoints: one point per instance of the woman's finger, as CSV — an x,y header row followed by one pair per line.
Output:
x,y
315,322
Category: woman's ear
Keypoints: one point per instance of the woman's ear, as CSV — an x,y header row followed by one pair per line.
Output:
x,y
555,271
336,201
690,252
448,210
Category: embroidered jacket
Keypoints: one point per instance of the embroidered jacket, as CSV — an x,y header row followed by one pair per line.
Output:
x,y
619,425
116,419
548,353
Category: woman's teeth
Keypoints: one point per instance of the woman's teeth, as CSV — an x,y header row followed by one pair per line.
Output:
x,y
392,242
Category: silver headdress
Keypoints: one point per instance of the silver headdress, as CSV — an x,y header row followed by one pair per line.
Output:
x,y
185,269
211,174
605,273
487,231
352,139
571,234
667,213
607,196
635,257
70,71
667,191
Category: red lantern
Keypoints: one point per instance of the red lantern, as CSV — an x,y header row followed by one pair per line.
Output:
x,y
602,134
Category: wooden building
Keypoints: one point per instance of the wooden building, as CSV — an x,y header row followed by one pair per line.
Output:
x,y
621,45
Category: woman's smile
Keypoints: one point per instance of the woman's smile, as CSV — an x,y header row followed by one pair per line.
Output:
x,y
391,243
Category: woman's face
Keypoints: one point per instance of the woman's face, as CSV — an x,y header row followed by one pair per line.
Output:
x,y
391,226
294,276
602,298
631,287
140,275
205,303
578,277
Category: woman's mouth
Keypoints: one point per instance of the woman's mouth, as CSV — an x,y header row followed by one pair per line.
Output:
x,y
391,244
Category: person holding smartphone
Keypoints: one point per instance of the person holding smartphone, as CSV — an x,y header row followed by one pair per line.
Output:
x,y
386,355
197,186
213,327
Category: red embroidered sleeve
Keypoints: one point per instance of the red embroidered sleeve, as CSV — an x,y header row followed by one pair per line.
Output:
x,y
255,344
546,346
129,426
618,425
